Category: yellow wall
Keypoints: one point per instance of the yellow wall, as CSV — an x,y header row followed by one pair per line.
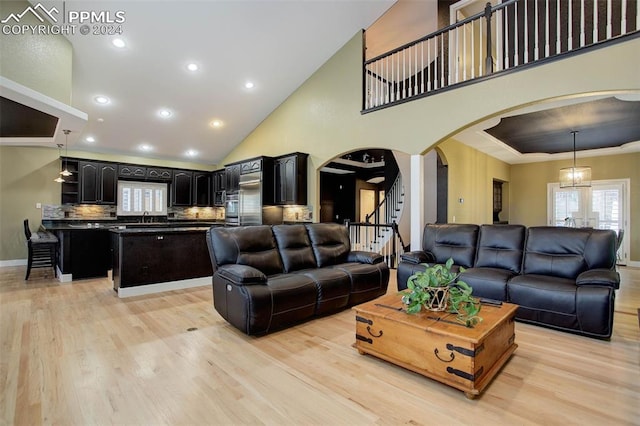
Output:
x,y
470,177
26,178
41,62
322,118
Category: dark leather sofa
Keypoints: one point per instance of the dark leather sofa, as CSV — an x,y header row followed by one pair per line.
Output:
x,y
270,277
562,278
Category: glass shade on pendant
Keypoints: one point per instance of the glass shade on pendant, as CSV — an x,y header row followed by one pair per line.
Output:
x,y
575,177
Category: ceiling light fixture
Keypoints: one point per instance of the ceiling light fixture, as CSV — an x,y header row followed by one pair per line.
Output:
x,y
66,171
102,100
118,42
249,85
90,139
573,177
59,178
191,153
145,147
216,123
165,113
192,67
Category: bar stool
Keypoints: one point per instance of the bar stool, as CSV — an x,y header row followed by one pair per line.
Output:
x,y
43,248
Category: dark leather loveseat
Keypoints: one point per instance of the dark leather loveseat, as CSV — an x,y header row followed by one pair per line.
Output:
x,y
563,278
269,277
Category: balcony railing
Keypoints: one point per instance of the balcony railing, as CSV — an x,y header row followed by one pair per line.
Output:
x,y
513,34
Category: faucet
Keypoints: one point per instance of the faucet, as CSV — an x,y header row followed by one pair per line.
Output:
x,y
145,214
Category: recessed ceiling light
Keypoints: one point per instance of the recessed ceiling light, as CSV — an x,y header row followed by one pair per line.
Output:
x,y
146,147
118,42
90,139
100,120
216,123
249,85
102,100
191,153
165,113
193,67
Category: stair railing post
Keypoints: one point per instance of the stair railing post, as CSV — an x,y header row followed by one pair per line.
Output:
x,y
488,65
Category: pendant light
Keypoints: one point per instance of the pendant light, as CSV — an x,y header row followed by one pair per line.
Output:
x,y
59,179
574,177
66,171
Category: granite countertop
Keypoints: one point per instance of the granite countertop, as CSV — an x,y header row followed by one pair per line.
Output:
x,y
134,231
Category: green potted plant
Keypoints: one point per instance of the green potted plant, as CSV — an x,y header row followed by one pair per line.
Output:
x,y
437,289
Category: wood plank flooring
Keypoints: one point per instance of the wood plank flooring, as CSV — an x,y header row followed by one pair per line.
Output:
x,y
77,354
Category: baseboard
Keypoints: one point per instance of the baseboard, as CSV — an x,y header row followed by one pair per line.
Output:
x,y
160,287
633,263
15,262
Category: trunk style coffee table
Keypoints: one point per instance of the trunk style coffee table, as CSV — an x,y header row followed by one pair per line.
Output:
x,y
435,345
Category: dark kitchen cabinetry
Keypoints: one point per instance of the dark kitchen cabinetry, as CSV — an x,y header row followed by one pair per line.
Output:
x,y
233,178
84,253
290,179
182,188
219,182
158,174
202,189
69,188
131,171
97,182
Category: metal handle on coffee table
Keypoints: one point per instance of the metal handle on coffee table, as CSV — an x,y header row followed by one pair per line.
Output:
x,y
374,335
437,353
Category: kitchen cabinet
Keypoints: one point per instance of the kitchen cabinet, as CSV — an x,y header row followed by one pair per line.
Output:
x,y
182,188
290,179
84,253
219,181
158,174
131,171
202,189
251,166
233,178
69,188
97,182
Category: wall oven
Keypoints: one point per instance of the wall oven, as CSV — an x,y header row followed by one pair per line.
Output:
x,y
232,210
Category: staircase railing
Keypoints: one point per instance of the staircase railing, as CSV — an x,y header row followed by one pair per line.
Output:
x,y
389,208
384,239
512,34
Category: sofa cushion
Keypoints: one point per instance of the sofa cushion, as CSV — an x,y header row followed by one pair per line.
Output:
x,y
333,287
330,242
247,245
294,247
501,246
566,252
453,240
490,283
293,298
368,281
542,292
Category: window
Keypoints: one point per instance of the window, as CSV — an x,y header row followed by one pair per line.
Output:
x,y
135,198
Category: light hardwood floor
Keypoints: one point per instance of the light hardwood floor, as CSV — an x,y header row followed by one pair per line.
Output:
x,y
77,354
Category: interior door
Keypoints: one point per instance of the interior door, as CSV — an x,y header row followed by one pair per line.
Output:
x,y
367,203
604,205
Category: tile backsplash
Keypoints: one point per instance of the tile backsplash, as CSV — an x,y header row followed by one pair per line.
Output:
x,y
100,212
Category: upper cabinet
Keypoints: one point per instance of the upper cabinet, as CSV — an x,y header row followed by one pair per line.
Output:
x,y
181,188
202,189
233,178
290,179
69,188
97,182
131,171
158,174
219,178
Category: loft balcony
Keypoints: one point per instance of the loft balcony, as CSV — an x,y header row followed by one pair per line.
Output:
x,y
502,38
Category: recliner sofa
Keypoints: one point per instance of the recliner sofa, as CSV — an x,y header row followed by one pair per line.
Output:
x,y
562,278
270,277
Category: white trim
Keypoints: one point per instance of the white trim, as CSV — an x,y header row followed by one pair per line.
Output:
x,y
633,264
14,262
417,201
166,286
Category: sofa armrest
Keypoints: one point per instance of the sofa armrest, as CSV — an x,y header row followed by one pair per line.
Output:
x,y
599,277
364,257
417,257
242,274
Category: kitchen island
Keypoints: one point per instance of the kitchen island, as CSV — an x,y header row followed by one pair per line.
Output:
x,y
152,260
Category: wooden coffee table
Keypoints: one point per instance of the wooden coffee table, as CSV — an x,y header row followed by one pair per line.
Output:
x,y
435,345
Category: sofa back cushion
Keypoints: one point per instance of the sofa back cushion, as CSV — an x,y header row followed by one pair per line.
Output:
x,y
567,252
501,246
251,245
330,243
294,247
452,240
